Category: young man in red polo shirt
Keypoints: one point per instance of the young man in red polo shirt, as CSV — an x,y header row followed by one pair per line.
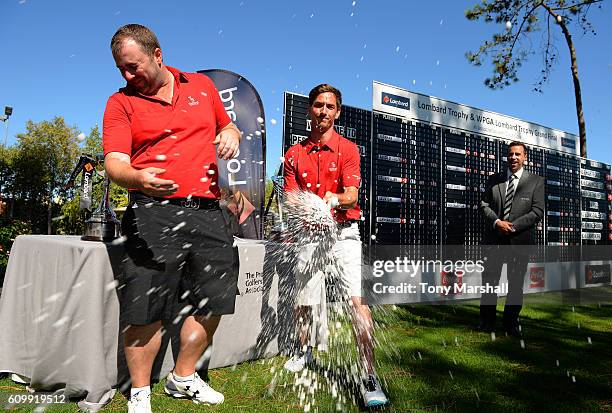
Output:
x,y
162,134
327,164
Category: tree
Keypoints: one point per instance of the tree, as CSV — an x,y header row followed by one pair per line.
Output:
x,y
510,48
44,157
6,171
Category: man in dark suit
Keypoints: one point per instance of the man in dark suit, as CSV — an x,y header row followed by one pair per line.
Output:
x,y
512,205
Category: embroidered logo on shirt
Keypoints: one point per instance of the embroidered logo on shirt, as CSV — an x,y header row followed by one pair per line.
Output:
x,y
332,166
192,101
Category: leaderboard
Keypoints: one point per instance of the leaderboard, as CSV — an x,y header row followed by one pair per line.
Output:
x,y
353,123
406,180
562,177
422,182
468,162
595,201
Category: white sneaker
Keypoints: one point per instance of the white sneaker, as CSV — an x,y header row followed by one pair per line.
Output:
x,y
197,390
372,393
298,361
140,403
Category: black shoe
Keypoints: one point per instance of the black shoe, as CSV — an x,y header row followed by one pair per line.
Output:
x,y
483,327
514,331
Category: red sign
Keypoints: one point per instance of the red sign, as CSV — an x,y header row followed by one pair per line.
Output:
x,y
537,277
452,279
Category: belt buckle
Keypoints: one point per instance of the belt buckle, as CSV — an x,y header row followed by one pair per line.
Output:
x,y
191,203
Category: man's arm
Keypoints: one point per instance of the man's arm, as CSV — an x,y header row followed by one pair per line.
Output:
x,y
121,172
289,166
351,179
344,200
537,208
485,203
491,218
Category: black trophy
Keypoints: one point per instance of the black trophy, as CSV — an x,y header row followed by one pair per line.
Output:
x,y
102,224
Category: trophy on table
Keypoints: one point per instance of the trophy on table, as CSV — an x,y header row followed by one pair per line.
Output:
x,y
102,224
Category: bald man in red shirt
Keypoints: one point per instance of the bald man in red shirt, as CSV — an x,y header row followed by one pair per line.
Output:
x,y
327,164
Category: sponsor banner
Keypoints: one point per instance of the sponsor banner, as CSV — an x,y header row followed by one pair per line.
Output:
x,y
395,101
597,274
416,106
242,179
537,277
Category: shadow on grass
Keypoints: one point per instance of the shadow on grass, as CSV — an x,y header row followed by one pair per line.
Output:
x,y
478,374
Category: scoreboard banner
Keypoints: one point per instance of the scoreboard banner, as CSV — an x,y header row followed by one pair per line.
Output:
x,y
242,178
416,106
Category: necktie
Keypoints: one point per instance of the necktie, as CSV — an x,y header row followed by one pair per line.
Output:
x,y
509,197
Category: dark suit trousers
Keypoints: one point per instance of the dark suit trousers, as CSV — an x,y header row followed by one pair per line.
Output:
x,y
517,260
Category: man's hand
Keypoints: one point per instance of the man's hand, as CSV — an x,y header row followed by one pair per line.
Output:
x,y
153,186
504,227
120,171
331,199
228,140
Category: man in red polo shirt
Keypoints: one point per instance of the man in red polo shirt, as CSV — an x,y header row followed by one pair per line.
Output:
x,y
327,164
162,134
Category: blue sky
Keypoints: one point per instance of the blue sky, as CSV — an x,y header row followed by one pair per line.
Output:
x,y
56,58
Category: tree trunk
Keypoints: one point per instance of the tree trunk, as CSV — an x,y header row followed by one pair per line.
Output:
x,y
50,208
577,92
49,218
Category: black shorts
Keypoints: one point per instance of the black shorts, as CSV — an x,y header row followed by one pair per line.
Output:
x,y
178,261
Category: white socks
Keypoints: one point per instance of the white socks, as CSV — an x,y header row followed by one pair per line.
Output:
x,y
135,390
186,378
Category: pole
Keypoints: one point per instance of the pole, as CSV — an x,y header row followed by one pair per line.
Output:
x,y
6,131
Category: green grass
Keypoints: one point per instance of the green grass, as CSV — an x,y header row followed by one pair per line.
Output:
x,y
431,360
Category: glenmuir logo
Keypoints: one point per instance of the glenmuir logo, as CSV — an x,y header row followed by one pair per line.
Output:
x,y
192,101
395,101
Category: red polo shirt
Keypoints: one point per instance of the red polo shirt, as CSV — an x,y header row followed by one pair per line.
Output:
x,y
330,167
177,137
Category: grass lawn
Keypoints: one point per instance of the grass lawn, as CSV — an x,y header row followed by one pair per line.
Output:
x,y
431,360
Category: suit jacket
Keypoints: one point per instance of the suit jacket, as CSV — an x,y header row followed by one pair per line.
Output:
x,y
527,208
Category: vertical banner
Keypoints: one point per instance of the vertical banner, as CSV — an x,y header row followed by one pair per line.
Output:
x,y
242,179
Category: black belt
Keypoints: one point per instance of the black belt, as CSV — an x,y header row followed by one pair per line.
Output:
x,y
193,202
346,224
